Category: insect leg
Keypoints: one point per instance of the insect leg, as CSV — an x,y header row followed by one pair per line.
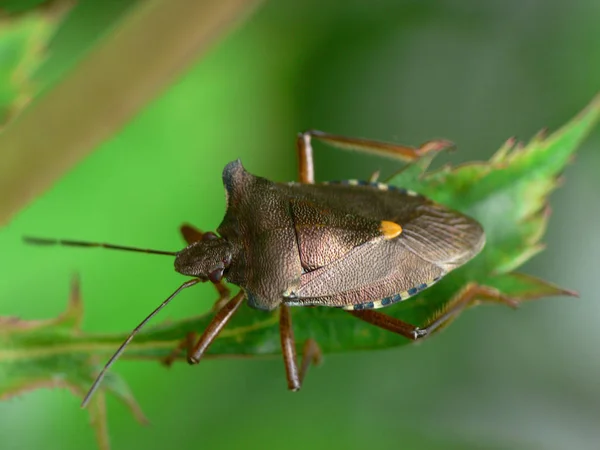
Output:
x,y
190,338
288,348
387,323
188,342
185,344
311,352
404,152
217,324
306,167
190,233
470,295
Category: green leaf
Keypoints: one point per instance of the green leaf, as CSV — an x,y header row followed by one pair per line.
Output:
x,y
508,195
35,354
23,41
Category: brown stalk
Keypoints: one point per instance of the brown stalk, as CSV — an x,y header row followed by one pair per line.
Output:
x,y
154,43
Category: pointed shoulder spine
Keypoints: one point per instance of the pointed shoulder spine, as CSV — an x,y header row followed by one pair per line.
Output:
x,y
233,174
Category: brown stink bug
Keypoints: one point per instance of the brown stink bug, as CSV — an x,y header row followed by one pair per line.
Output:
x,y
354,245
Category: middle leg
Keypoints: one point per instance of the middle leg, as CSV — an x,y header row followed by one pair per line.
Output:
x,y
311,352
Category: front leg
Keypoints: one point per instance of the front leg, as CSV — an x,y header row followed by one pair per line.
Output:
x,y
196,349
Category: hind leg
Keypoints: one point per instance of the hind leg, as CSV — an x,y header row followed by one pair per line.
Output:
x,y
470,295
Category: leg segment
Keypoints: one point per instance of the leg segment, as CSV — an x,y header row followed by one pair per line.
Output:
x,y
310,354
214,328
305,152
388,323
212,331
185,344
472,294
192,234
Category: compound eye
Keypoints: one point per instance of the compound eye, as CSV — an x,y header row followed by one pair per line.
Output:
x,y
216,275
209,236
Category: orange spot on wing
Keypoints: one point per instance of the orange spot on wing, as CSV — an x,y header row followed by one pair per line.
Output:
x,y
390,230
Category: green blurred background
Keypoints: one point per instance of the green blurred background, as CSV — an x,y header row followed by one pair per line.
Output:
x,y
473,72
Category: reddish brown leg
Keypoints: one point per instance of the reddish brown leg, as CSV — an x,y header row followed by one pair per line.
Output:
x,y
190,338
192,234
188,342
472,294
311,352
305,152
185,344
214,328
388,323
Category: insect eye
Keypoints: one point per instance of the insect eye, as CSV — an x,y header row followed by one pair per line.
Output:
x,y
216,275
209,236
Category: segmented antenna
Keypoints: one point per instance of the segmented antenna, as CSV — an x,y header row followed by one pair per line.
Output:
x,y
71,243
121,349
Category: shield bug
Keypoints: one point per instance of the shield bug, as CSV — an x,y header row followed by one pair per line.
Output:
x,y
354,245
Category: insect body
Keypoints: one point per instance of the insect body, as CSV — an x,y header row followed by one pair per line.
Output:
x,y
353,245
350,245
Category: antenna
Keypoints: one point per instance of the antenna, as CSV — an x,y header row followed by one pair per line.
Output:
x,y
70,243
118,353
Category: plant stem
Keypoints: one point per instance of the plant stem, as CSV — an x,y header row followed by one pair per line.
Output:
x,y
139,58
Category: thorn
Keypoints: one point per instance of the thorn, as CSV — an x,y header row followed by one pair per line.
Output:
x,y
436,146
374,176
541,135
510,142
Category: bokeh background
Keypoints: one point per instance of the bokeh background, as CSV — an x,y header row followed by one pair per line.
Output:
x,y
470,71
